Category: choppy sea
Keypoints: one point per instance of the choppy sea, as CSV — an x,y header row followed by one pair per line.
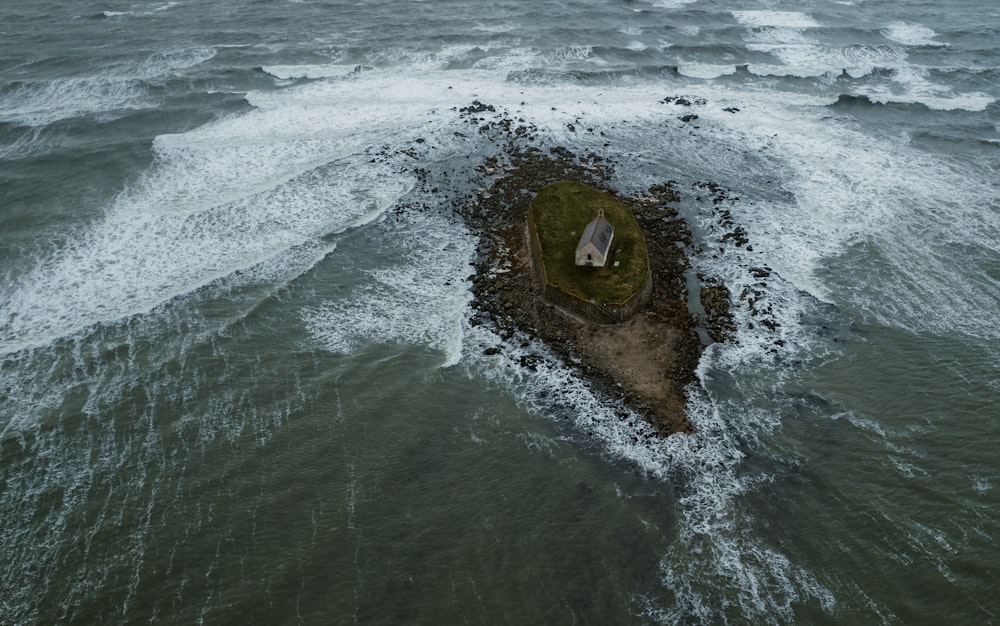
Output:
x,y
238,382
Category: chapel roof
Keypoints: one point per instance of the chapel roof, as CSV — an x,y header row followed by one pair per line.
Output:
x,y
599,231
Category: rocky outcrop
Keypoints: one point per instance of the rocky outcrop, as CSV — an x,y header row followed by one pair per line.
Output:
x,y
645,362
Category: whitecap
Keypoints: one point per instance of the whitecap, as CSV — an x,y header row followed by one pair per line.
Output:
x,y
497,28
575,53
421,59
777,37
981,484
516,59
779,19
288,72
815,60
911,34
911,85
118,87
43,103
672,4
705,70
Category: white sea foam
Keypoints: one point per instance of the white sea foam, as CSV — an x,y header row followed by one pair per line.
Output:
x,y
936,98
497,28
787,37
981,484
816,60
286,72
553,60
851,191
117,87
146,252
826,166
33,141
220,199
801,56
779,19
768,38
553,390
672,4
911,34
516,59
420,60
714,542
420,297
705,70
576,53
911,85
38,104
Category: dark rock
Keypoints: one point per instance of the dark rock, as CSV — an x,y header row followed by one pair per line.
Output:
x,y
683,100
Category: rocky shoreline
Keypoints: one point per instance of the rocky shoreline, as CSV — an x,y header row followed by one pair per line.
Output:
x,y
646,362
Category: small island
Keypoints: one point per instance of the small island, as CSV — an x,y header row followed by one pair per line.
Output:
x,y
644,356
626,328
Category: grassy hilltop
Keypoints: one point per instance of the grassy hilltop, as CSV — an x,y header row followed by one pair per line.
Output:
x,y
557,218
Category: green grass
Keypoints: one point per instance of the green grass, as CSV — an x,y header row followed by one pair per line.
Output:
x,y
559,214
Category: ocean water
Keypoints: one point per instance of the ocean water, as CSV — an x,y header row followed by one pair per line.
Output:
x,y
238,381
